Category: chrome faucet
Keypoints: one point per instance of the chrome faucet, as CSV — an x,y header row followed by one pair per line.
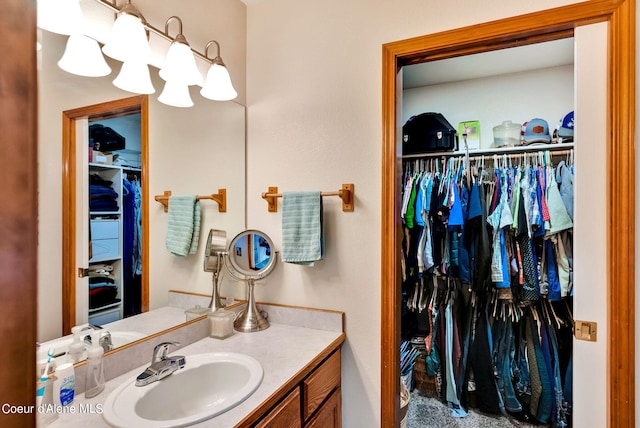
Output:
x,y
105,337
161,364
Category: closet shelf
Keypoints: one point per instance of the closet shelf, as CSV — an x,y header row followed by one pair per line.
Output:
x,y
346,193
220,198
112,305
497,151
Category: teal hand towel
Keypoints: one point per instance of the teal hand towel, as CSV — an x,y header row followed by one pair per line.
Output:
x,y
183,230
302,232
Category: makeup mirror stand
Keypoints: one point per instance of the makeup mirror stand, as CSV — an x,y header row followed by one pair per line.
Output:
x,y
215,302
251,319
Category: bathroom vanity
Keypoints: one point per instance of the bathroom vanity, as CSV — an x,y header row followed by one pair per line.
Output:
x,y
300,354
313,402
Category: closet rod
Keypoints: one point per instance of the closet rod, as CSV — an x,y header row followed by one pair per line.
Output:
x,y
495,151
519,155
345,193
220,198
489,157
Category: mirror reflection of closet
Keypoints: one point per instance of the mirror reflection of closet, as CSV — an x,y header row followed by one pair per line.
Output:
x,y
105,215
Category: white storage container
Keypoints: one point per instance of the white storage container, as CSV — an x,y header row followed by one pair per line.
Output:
x,y
104,317
507,134
104,229
105,242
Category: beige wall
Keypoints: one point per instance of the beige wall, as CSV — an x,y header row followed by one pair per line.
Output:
x,y
314,122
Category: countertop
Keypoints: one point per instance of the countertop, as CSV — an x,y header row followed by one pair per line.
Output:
x,y
283,350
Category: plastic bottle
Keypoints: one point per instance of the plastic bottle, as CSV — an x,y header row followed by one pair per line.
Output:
x,y
64,386
76,349
95,370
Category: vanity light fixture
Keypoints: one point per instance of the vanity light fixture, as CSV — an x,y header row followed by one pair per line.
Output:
x,y
82,56
128,37
134,77
218,86
128,42
179,70
180,64
176,94
60,16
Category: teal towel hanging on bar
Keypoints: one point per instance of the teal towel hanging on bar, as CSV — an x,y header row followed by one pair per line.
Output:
x,y
183,229
302,231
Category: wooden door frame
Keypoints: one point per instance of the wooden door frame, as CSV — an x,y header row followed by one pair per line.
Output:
x,y
534,27
110,109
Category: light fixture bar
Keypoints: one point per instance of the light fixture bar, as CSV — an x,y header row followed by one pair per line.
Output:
x,y
114,8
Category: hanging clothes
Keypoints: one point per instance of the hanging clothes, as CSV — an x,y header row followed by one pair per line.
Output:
x,y
132,245
492,246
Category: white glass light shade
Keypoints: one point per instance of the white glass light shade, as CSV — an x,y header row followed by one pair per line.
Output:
x,y
176,94
83,57
134,77
128,40
218,86
180,65
60,16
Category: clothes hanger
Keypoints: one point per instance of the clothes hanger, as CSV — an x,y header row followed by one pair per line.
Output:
x,y
545,312
422,299
571,157
559,321
494,303
434,294
570,314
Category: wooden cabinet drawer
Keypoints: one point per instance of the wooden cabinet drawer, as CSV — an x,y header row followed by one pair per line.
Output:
x,y
285,414
319,385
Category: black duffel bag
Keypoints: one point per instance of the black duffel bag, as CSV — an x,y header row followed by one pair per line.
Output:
x,y
428,132
105,139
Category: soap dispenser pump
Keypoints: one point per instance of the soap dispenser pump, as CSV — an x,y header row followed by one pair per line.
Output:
x,y
76,349
95,370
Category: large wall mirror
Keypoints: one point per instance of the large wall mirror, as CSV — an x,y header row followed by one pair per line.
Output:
x,y
615,47
192,151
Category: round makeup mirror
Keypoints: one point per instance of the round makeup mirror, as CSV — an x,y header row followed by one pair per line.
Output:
x,y
251,257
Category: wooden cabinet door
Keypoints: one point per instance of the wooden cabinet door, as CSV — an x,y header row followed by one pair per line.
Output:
x,y
329,415
321,383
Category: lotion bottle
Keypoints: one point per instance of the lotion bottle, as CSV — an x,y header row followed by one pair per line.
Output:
x,y
95,370
76,349
64,386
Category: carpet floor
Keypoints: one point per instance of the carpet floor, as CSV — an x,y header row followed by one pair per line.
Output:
x,y
425,412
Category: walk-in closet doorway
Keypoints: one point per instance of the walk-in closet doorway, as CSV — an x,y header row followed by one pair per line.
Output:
x,y
617,143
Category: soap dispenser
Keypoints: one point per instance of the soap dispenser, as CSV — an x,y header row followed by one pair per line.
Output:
x,y
76,348
95,370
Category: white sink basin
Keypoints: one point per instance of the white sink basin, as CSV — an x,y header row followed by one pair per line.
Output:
x,y
208,385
